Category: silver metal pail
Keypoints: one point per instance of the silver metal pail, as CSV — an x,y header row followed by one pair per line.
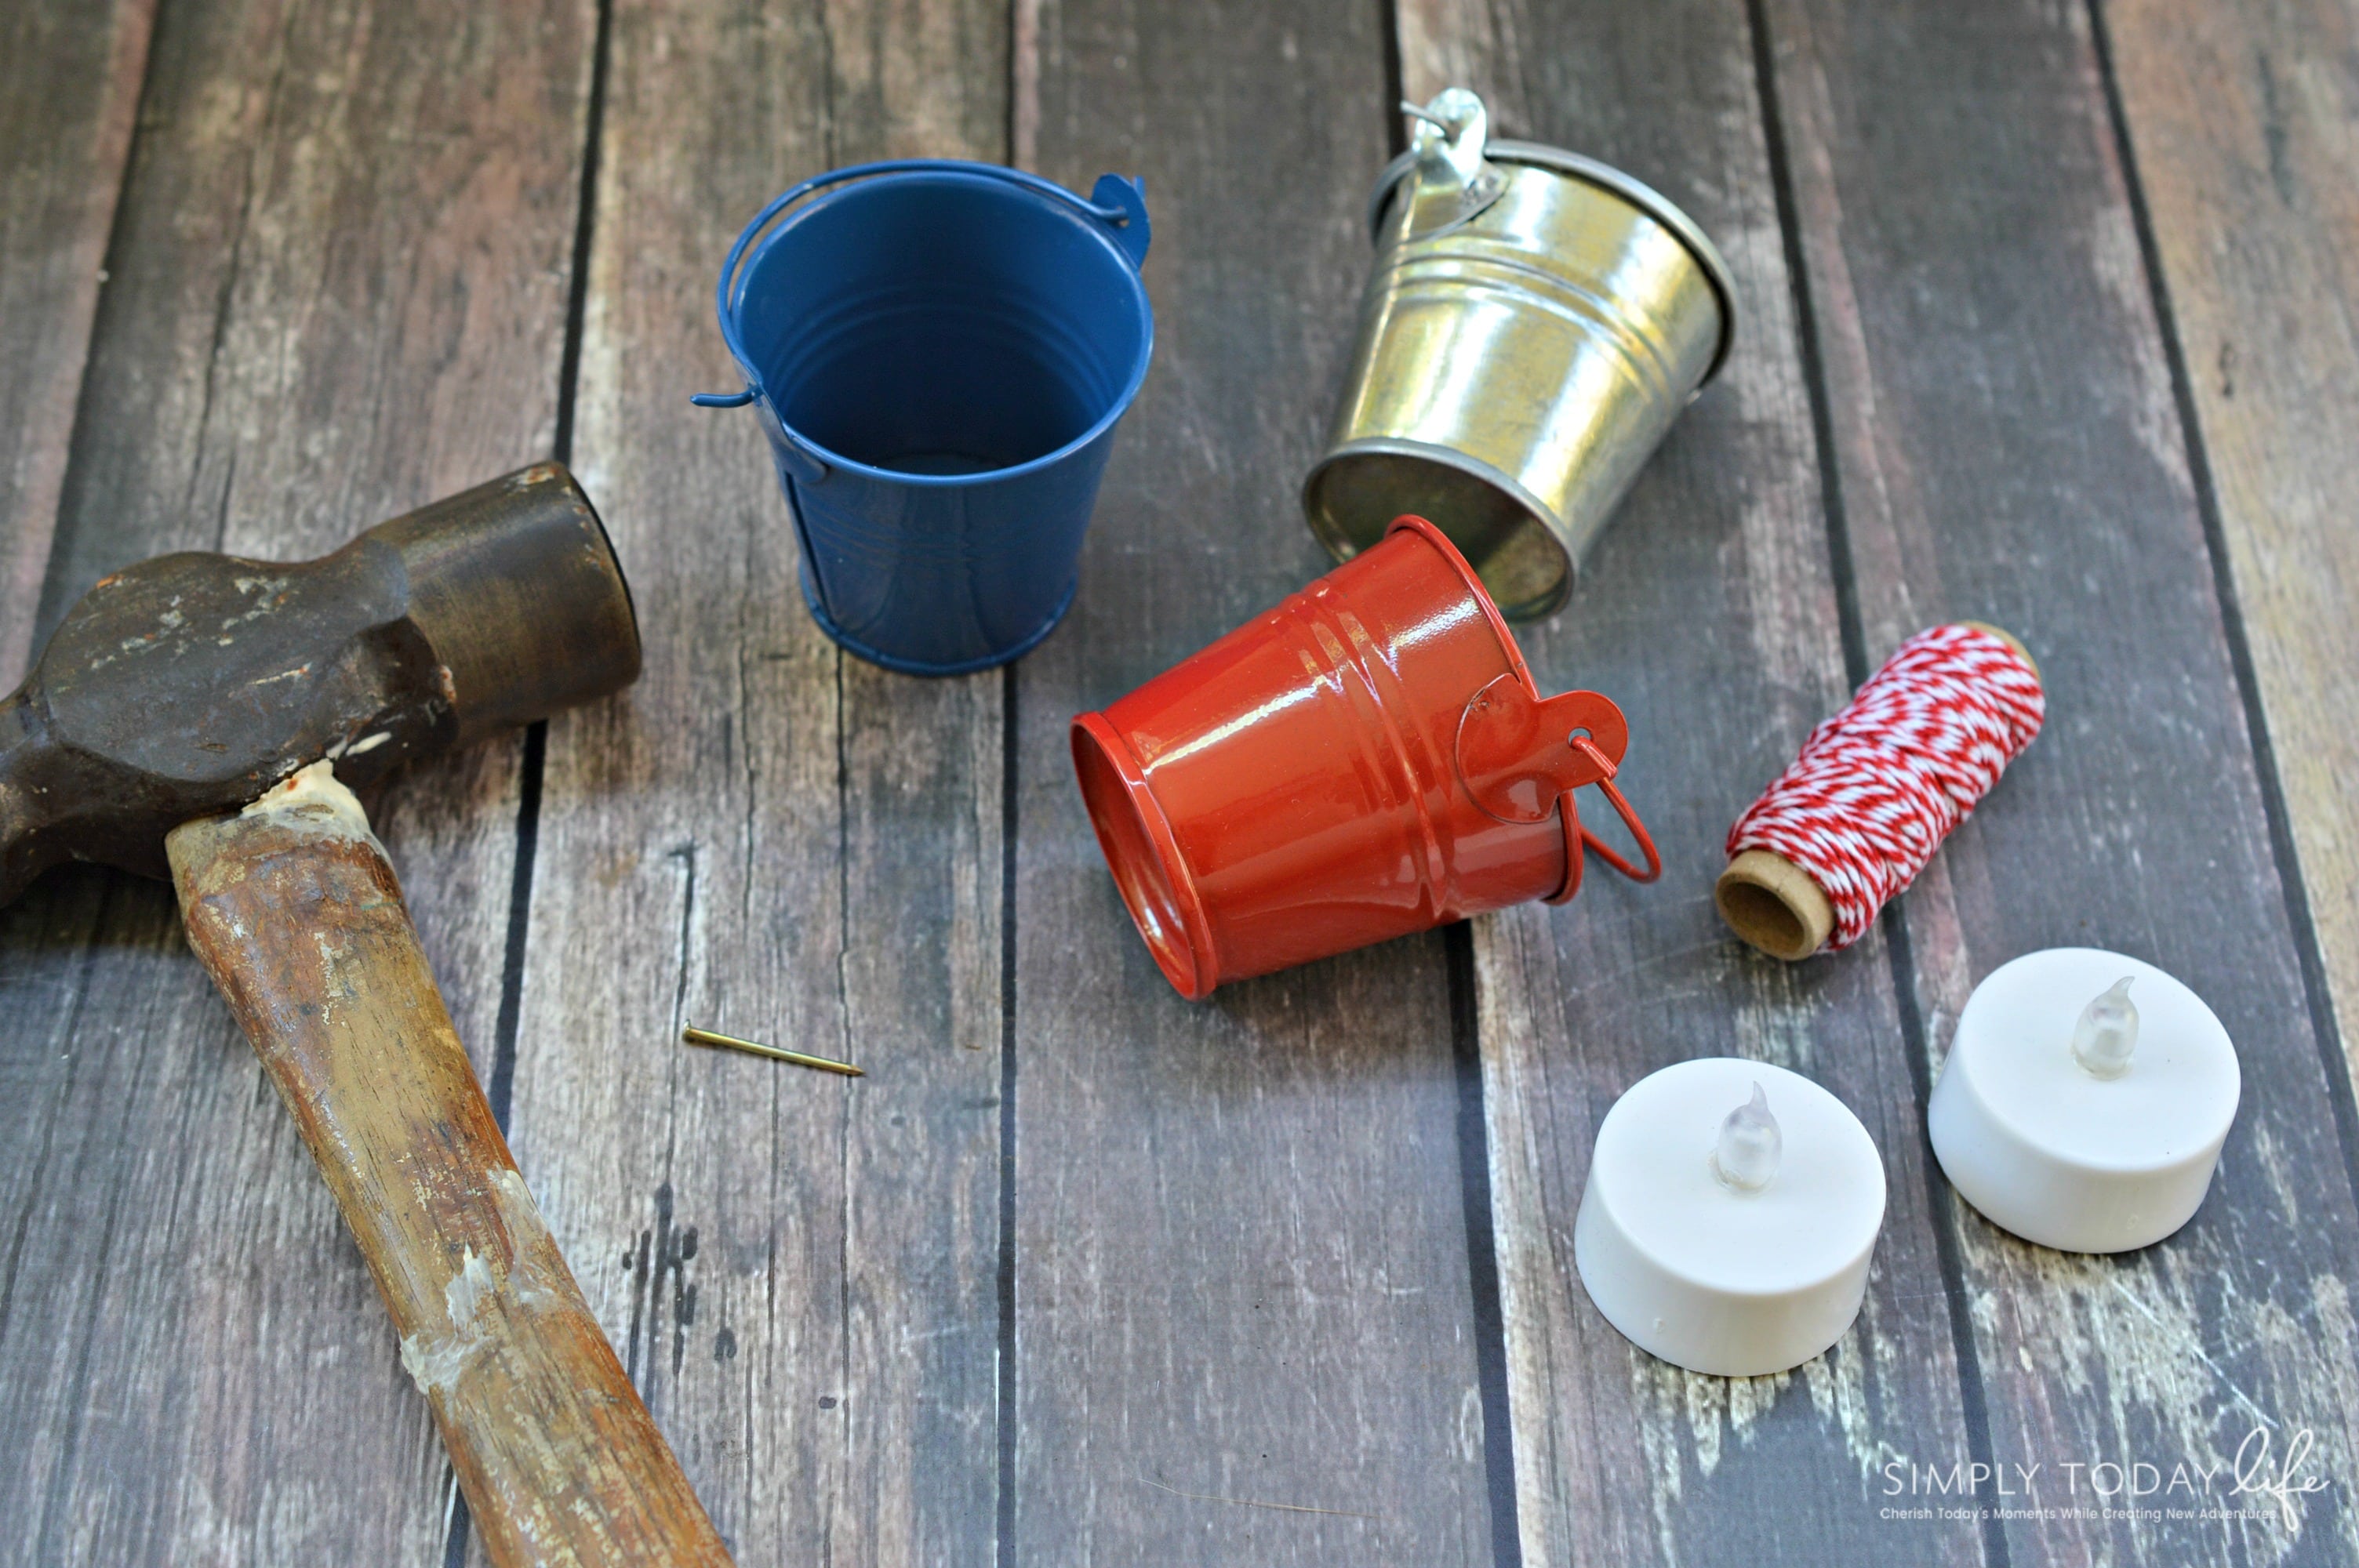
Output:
x,y
1534,323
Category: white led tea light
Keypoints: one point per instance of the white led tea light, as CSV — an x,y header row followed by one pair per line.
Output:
x,y
2084,1101
1730,1210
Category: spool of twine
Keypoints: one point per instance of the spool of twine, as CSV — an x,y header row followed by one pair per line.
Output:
x,y
1877,789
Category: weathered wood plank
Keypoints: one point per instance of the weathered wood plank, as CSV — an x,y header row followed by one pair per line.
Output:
x,y
2006,445
1243,1273
339,290
2241,116
769,837
1620,1457
69,87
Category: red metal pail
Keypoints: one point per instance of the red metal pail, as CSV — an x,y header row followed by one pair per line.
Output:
x,y
1367,760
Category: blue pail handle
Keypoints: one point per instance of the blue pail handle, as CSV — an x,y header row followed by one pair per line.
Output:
x,y
1118,202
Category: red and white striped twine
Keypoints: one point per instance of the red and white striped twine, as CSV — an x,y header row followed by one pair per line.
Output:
x,y
1882,783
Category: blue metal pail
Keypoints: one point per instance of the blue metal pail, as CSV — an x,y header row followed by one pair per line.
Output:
x,y
939,354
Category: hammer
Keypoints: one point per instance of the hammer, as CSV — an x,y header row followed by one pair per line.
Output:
x,y
202,717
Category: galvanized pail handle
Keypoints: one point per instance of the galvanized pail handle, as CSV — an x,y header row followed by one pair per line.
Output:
x,y
1117,202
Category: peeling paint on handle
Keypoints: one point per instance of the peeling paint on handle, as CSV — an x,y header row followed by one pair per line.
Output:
x,y
296,913
434,1360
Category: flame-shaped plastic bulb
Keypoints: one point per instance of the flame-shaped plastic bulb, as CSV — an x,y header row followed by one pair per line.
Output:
x,y
1745,1158
2107,1032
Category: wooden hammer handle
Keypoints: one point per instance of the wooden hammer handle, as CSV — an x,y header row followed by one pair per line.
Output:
x,y
297,915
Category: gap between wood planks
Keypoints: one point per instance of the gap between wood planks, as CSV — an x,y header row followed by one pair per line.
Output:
x,y
2317,993
64,286
501,1090
1899,958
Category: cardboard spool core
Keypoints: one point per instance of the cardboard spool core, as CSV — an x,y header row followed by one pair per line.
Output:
x,y
1772,902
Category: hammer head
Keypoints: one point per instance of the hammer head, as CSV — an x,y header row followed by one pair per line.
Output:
x,y
189,684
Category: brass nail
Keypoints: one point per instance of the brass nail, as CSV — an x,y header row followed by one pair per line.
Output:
x,y
775,1053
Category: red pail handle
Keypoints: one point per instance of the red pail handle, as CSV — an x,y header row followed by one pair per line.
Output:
x,y
1578,837
1521,755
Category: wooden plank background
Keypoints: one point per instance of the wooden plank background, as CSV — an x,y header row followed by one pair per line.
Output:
x,y
771,838
1241,1265
336,289
1726,528
68,86
2238,122
2048,317
2005,444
